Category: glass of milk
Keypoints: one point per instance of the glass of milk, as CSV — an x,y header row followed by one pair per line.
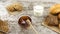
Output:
x,y
38,10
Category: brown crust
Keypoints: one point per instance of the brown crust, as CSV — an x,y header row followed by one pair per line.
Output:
x,y
55,9
58,16
59,26
51,20
14,7
4,26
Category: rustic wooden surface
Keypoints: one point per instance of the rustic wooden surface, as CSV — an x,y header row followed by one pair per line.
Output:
x,y
54,28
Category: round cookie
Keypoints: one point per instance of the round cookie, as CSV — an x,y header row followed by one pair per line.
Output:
x,y
14,7
18,6
4,26
10,8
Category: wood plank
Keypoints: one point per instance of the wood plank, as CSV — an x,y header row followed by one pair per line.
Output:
x,y
54,28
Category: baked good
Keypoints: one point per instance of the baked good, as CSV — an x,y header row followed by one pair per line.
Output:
x,y
22,21
4,26
55,9
59,26
58,16
18,6
1,33
14,7
10,8
51,20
